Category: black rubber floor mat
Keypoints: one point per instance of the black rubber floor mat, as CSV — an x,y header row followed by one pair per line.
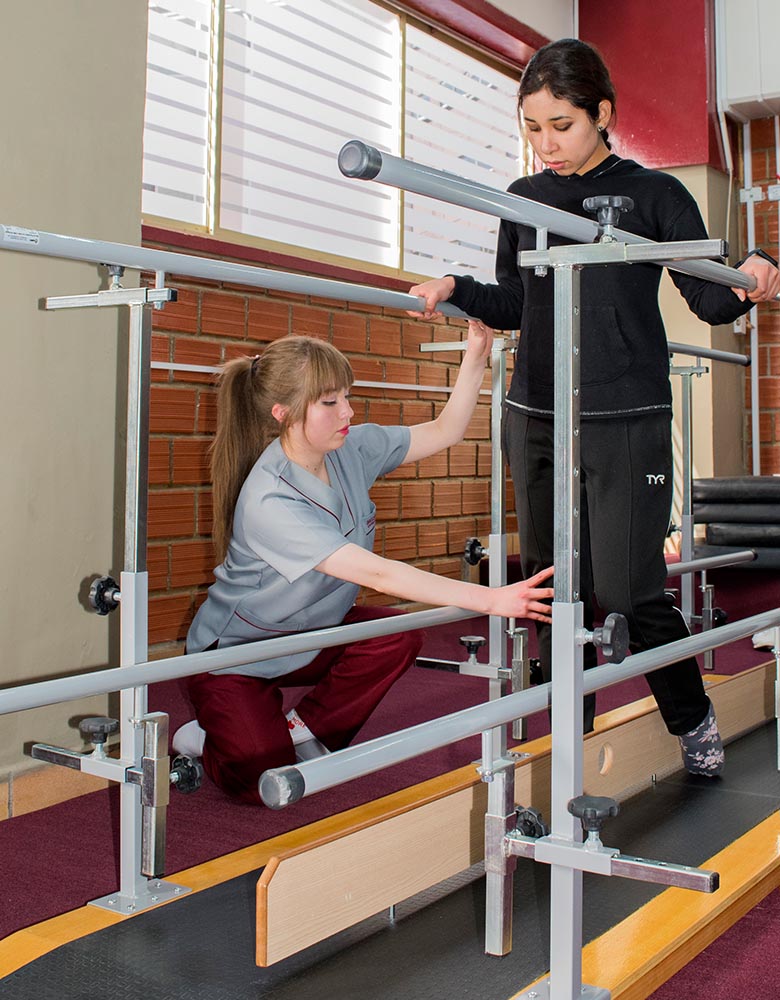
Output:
x,y
202,946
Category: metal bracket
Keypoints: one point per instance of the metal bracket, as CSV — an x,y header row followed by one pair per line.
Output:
x,y
113,297
751,194
609,861
623,253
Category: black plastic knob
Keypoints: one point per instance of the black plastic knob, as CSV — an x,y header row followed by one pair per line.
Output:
x,y
612,638
104,595
529,822
473,551
186,774
608,207
98,728
472,643
593,811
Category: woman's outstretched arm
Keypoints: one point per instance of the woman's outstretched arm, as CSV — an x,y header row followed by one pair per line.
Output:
x,y
517,600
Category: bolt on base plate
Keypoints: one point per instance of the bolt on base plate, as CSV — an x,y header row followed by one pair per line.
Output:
x,y
156,893
541,991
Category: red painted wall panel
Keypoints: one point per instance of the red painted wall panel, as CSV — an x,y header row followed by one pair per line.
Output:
x,y
660,56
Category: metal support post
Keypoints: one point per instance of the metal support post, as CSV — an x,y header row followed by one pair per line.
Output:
x,y
501,779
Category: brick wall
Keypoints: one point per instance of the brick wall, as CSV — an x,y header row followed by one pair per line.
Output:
x,y
765,172
424,511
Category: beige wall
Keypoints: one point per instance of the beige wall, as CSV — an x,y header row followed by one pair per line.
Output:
x,y
552,18
717,397
72,76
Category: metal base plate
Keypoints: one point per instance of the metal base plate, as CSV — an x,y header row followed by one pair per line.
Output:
x,y
155,893
541,991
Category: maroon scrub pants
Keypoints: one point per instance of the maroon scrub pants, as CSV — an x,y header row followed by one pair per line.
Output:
x,y
246,729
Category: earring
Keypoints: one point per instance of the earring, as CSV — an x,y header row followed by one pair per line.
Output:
x,y
599,128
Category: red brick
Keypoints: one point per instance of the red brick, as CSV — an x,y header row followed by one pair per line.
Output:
x,y
766,423
171,514
417,412
484,459
476,498
461,529
400,541
161,347
413,334
192,564
196,352
268,320
224,315
384,412
769,392
432,374
433,467
416,500
404,372
171,410
387,497
449,335
180,316
479,425
191,461
157,566
313,322
350,333
169,618
447,499
433,539
770,459
206,422
463,460
159,462
205,506
384,337
366,370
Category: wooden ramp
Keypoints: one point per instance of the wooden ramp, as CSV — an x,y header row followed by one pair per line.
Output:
x,y
432,832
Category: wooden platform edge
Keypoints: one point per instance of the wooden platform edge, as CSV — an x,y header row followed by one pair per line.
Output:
x,y
642,952
319,889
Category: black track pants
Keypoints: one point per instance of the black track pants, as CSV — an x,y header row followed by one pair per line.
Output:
x,y
626,495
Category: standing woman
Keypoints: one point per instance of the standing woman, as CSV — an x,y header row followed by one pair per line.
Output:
x,y
567,103
294,531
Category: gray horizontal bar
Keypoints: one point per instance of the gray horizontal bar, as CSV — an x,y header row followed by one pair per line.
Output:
x,y
661,873
709,352
142,259
281,786
710,562
357,159
17,699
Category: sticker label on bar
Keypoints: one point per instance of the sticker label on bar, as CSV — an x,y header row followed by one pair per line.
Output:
x,y
12,234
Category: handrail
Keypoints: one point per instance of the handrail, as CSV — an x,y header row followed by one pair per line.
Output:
x,y
89,251
364,162
59,689
712,353
282,786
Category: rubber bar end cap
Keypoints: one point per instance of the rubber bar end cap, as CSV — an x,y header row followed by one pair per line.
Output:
x,y
281,786
356,159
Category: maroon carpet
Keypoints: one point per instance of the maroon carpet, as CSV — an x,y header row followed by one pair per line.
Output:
x,y
65,855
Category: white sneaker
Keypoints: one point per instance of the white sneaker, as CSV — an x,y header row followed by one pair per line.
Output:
x,y
188,740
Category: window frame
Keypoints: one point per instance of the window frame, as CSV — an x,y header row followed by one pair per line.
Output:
x,y
471,26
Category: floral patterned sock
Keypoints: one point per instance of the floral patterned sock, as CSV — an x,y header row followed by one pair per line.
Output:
x,y
702,749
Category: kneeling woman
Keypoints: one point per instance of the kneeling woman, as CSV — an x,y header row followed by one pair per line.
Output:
x,y
294,530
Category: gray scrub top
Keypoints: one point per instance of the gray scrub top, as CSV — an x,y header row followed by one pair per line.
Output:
x,y
285,523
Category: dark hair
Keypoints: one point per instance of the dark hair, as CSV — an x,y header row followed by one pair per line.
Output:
x,y
294,371
572,71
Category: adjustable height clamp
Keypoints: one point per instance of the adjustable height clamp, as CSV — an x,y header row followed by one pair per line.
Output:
x,y
153,776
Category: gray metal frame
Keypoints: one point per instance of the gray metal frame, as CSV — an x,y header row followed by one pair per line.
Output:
x,y
563,850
